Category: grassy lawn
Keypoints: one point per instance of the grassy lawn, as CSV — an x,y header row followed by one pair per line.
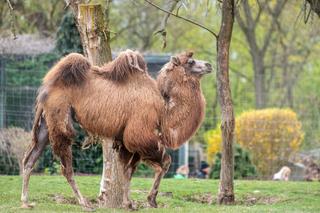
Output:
x,y
52,194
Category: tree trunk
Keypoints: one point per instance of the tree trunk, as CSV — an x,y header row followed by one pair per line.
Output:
x,y
95,38
92,26
112,181
259,80
226,194
258,67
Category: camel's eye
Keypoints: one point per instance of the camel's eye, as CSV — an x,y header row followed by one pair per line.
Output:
x,y
191,61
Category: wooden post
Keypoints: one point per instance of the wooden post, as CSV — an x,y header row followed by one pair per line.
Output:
x,y
2,93
226,194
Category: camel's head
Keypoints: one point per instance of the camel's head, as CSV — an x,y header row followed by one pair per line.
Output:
x,y
188,66
182,72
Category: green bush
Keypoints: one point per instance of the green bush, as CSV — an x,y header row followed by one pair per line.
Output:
x,y
8,164
68,38
243,167
143,170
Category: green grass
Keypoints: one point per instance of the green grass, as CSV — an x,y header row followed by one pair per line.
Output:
x,y
187,195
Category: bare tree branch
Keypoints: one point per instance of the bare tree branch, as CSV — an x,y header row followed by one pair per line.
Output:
x,y
261,9
314,6
162,31
13,20
275,15
183,18
247,12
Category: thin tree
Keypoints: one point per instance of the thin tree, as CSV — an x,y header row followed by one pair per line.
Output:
x,y
226,193
223,39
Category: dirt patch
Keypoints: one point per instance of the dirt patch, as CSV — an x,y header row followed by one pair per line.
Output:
x,y
248,200
62,199
200,198
58,198
137,204
253,200
163,194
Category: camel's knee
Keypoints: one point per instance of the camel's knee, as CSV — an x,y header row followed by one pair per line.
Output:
x,y
166,162
37,147
61,144
61,147
65,156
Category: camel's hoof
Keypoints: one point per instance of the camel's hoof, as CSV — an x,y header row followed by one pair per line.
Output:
x,y
88,209
27,205
152,202
128,206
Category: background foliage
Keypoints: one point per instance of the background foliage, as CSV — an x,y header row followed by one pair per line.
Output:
x,y
291,62
271,135
243,166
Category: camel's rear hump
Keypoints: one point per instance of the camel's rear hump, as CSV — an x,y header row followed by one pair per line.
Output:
x,y
127,63
70,70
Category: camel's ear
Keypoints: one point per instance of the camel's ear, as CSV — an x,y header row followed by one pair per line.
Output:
x,y
189,54
175,60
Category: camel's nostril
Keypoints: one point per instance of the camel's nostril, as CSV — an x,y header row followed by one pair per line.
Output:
x,y
208,65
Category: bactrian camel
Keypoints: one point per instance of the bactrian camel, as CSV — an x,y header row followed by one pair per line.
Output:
x,y
120,101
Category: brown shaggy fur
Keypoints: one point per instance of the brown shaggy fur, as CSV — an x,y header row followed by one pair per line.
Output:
x,y
124,65
186,104
67,73
120,101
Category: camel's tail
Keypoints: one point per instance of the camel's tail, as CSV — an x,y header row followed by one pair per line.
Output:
x,y
127,63
35,131
70,70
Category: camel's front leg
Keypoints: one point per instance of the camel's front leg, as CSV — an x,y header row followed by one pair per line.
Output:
x,y
160,169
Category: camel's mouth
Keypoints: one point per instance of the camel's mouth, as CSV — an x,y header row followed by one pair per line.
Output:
x,y
200,67
208,69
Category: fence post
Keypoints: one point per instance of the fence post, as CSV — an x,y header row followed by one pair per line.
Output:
x,y
2,92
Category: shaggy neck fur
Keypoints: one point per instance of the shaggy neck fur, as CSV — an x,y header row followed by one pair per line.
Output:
x,y
184,112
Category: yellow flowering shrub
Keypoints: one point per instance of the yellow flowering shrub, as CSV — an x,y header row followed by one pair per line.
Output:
x,y
213,139
270,135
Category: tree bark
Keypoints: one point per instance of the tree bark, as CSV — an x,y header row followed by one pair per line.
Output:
x,y
226,194
112,181
92,21
92,25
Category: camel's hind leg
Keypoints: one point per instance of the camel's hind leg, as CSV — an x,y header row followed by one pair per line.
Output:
x,y
62,148
160,163
30,158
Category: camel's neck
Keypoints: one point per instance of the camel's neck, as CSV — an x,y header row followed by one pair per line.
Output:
x,y
184,114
